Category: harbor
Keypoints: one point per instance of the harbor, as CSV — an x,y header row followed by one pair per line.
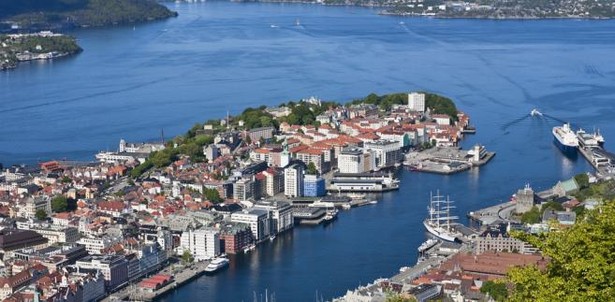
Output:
x,y
590,145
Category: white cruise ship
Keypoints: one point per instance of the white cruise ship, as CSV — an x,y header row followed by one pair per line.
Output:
x,y
565,139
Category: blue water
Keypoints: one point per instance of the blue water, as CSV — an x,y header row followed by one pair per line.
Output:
x,y
217,56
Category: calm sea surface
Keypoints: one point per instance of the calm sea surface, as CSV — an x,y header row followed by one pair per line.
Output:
x,y
220,56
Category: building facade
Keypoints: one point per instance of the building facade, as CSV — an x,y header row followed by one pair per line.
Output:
x,y
281,214
386,153
113,267
203,244
257,219
313,186
293,180
350,160
416,101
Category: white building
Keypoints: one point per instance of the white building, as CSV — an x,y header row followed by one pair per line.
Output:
x,y
59,234
386,153
203,243
350,160
442,119
96,245
416,101
257,219
293,180
281,214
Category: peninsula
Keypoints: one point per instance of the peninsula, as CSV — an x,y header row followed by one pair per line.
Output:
x,y
162,213
44,45
33,15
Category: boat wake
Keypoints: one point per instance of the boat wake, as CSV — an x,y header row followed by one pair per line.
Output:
x,y
514,122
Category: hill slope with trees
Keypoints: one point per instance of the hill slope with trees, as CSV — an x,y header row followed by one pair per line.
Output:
x,y
39,14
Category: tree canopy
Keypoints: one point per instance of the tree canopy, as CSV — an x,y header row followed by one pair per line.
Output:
x,y
212,195
83,12
496,290
437,103
59,204
40,214
531,216
311,169
582,262
187,257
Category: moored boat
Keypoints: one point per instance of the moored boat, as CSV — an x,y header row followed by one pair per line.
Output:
x,y
427,245
565,139
440,222
216,264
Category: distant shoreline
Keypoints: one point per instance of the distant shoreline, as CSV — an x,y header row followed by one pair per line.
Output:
x,y
385,12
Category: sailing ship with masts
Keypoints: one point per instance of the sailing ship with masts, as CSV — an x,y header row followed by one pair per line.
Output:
x,y
440,222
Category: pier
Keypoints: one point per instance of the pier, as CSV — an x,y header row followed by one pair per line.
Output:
x,y
490,215
600,159
181,276
448,160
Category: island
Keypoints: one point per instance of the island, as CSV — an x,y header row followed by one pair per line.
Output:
x,y
44,45
34,15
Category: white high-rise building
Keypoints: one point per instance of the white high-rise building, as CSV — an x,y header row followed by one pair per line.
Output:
x,y
202,243
293,180
351,161
416,101
259,221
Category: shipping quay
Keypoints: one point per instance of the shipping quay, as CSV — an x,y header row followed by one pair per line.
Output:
x,y
179,278
591,147
447,160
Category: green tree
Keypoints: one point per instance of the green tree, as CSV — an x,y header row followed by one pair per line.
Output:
x,y
441,105
553,205
40,214
140,169
395,297
202,140
187,257
212,195
496,290
532,216
59,204
582,180
581,262
311,169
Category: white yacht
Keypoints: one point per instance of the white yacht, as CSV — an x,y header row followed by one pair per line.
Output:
x,y
216,264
